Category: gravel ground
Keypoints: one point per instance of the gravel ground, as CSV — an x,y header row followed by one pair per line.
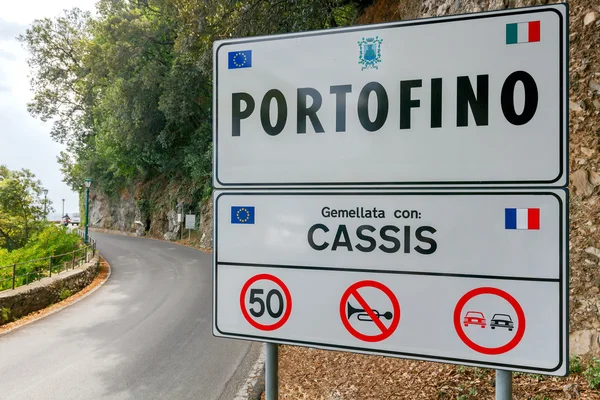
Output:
x,y
311,374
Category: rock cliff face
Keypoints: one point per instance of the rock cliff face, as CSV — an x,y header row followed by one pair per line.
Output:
x,y
113,213
123,213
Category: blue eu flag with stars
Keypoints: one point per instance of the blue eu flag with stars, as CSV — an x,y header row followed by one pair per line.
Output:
x,y
240,59
242,214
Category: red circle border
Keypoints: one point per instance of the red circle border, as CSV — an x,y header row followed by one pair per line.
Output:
x,y
482,349
288,301
395,305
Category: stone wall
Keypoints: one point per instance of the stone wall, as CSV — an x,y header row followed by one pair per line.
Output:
x,y
27,299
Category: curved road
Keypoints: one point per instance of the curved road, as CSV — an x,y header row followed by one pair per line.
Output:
x,y
145,334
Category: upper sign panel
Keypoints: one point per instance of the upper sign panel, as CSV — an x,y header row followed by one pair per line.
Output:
x,y
467,100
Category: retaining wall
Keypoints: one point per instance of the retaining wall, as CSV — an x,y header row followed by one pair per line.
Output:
x,y
33,297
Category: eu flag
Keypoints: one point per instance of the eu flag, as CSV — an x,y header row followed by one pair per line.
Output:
x,y
242,214
240,59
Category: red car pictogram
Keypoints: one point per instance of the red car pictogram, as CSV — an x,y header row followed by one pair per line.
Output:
x,y
474,318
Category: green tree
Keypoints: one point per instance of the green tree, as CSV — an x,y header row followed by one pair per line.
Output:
x,y
57,48
21,207
130,89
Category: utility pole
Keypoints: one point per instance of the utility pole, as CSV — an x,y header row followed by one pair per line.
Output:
x,y
88,183
45,202
63,209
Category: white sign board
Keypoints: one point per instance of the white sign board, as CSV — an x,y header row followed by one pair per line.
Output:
x,y
190,221
476,278
476,99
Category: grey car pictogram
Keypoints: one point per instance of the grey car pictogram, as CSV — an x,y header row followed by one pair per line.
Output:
x,y
502,321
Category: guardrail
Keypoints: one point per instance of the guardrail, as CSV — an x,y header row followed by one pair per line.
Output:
x,y
26,272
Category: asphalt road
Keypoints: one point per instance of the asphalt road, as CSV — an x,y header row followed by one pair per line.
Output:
x,y
145,334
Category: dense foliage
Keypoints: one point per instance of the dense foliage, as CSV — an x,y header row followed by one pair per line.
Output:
x,y
22,206
52,240
129,89
32,259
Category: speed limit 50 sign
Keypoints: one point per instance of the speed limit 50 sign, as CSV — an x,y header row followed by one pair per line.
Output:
x,y
272,299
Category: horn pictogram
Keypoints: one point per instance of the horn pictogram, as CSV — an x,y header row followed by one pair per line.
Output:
x,y
363,316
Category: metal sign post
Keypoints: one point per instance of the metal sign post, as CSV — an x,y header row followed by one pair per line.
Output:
x,y
503,385
271,372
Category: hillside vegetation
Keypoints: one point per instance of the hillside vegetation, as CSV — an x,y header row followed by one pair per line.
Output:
x,y
129,89
22,207
25,235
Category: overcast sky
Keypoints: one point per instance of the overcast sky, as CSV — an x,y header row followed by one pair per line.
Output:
x,y
24,141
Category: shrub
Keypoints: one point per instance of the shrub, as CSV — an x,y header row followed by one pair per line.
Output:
x,y
5,314
575,365
64,293
592,373
53,240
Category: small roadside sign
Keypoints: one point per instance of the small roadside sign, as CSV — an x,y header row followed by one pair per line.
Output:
x,y
475,278
467,100
190,221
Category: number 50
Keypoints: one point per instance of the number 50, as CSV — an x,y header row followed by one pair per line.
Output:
x,y
255,299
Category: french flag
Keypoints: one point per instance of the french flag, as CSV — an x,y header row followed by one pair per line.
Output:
x,y
522,218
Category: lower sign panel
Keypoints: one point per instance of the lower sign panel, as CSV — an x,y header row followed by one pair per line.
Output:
x,y
467,278
485,322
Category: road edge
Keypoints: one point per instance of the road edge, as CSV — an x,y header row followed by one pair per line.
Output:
x,y
254,385
133,235
67,304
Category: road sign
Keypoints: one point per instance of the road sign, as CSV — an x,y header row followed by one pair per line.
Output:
x,y
367,312
476,278
275,306
425,232
475,100
497,320
190,221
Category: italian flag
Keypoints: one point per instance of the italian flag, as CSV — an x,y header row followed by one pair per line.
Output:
x,y
523,32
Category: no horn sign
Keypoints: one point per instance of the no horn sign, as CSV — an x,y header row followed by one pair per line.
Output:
x,y
475,99
367,312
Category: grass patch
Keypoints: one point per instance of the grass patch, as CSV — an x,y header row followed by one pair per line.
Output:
x,y
5,314
64,293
